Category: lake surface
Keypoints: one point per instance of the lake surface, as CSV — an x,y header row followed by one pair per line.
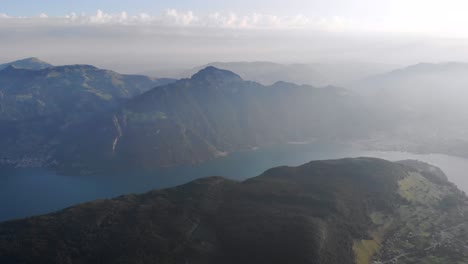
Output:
x,y
27,192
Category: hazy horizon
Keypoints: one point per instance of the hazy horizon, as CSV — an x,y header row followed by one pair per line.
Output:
x,y
176,35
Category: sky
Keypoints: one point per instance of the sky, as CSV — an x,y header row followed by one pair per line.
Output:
x,y
137,36
56,8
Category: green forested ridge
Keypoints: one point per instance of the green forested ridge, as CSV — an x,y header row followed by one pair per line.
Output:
x,y
338,211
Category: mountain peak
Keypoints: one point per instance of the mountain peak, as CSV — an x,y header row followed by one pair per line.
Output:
x,y
32,63
211,73
33,59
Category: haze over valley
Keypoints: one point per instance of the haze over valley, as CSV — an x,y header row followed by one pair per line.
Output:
x,y
321,132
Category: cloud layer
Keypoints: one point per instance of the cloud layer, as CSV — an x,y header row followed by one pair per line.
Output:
x,y
175,18
409,20
137,43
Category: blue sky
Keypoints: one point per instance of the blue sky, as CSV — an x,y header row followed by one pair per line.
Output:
x,y
58,7
278,7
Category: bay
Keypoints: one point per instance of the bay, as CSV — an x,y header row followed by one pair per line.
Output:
x,y
33,191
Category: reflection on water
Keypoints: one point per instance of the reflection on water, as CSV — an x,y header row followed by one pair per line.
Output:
x,y
26,192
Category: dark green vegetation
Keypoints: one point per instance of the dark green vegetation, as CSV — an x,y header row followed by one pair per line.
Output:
x,y
338,211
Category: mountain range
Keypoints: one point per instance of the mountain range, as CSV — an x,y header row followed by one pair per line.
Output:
x,y
37,106
329,212
79,116
213,113
62,90
317,74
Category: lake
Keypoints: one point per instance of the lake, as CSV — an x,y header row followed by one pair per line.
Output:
x,y
27,191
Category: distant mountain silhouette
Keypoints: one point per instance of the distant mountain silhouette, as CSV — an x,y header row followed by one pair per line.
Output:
x,y
424,105
418,75
317,74
268,73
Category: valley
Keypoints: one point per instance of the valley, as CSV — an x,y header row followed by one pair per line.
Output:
x,y
233,132
76,133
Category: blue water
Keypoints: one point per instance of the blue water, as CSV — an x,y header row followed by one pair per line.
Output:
x,y
27,192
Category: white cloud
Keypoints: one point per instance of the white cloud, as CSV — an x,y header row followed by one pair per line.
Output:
x,y
176,18
408,22
173,17
188,19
